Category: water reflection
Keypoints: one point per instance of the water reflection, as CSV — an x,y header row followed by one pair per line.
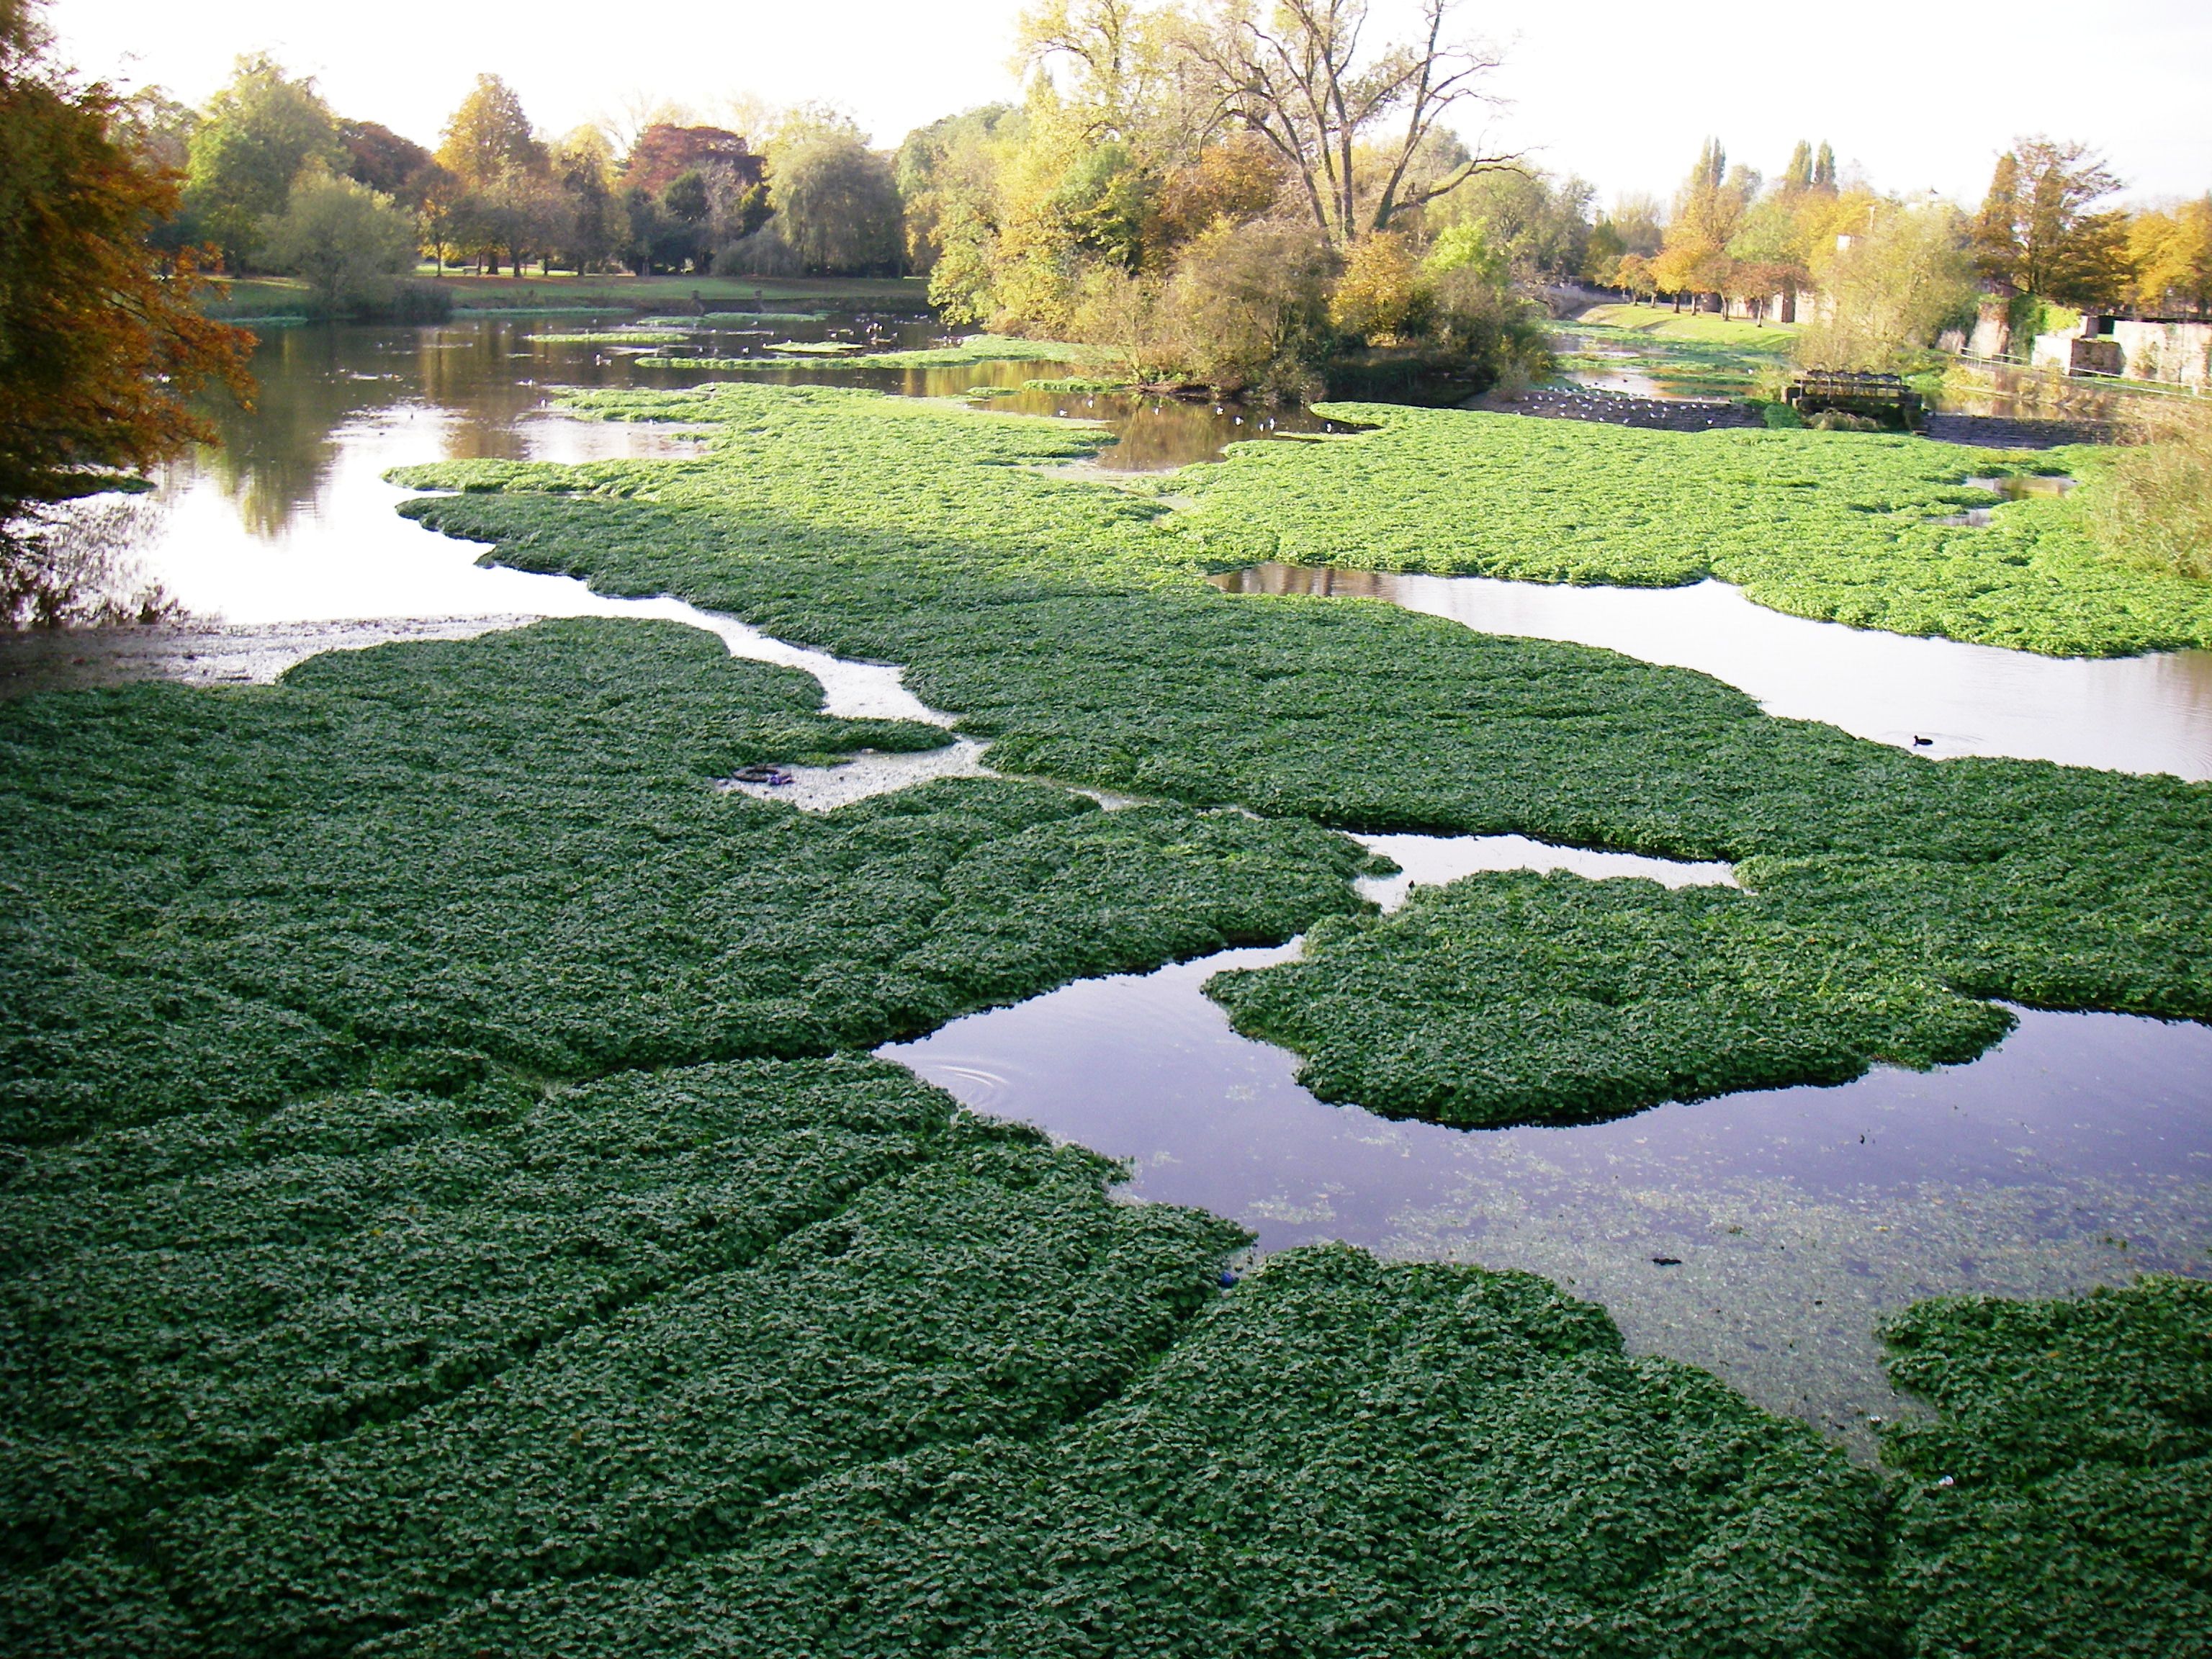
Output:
x,y
1758,1236
1937,697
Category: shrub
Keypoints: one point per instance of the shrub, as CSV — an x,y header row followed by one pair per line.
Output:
x,y
2156,507
1247,309
763,253
1384,295
344,237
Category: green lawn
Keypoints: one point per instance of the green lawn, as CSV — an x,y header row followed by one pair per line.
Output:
x,y
1701,328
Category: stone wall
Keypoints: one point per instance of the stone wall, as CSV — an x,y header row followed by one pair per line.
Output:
x,y
2178,352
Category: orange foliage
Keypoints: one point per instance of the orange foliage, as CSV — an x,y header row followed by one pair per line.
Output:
x,y
100,353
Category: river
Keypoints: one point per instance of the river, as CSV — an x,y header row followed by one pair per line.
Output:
x,y
1760,1236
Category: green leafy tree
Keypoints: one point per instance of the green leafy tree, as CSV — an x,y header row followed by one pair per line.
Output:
x,y
583,167
488,136
1909,275
836,201
253,141
1997,231
2171,253
348,240
2040,230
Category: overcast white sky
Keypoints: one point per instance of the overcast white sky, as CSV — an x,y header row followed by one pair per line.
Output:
x,y
1920,94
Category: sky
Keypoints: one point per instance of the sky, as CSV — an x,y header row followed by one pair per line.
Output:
x,y
1918,94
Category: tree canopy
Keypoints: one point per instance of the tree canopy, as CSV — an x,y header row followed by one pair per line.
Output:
x,y
100,354
251,143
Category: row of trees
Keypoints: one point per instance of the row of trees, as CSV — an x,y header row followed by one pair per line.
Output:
x,y
274,179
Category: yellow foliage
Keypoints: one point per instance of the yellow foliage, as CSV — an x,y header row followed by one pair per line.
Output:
x,y
1383,292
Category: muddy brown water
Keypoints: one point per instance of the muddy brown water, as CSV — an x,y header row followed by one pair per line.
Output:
x,y
2076,1153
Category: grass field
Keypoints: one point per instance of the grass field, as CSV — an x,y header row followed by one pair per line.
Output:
x,y
1692,327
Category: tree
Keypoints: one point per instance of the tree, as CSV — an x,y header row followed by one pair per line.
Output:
x,y
836,201
1906,277
2037,233
583,168
1247,308
1304,84
1383,292
100,354
1709,210
2171,253
256,135
488,136
348,240
1995,235
664,152
386,162
1540,229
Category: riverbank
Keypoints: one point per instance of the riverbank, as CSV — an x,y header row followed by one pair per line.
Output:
x,y
249,299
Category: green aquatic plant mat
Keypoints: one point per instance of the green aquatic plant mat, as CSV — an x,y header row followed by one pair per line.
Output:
x,y
992,1290
1339,1459
1062,621
516,847
1523,999
2059,1502
1836,526
180,1301
606,337
977,349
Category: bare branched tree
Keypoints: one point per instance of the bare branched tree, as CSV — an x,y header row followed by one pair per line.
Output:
x,y
1299,80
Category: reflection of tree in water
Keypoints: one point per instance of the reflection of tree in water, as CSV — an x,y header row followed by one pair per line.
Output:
x,y
273,459
76,567
483,375
478,378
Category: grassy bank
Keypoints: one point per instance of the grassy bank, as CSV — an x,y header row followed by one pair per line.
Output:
x,y
676,294
1689,327
974,349
248,299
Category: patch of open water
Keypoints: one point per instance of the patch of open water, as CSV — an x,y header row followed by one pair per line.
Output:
x,y
1757,1235
1938,697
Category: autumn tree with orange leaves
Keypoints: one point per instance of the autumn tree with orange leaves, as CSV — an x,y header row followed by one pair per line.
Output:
x,y
100,353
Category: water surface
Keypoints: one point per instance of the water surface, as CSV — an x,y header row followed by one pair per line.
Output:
x,y
1937,697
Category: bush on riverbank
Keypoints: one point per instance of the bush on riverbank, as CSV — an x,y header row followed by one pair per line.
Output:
x,y
2155,507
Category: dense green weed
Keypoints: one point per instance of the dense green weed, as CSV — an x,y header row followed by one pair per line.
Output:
x,y
1837,526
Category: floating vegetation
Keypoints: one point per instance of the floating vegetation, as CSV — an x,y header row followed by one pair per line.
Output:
x,y
641,335
1836,526
440,1218
513,850
1062,621
2056,1502
1521,998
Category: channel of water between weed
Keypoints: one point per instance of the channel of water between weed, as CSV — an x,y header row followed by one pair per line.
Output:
x,y
1757,1236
